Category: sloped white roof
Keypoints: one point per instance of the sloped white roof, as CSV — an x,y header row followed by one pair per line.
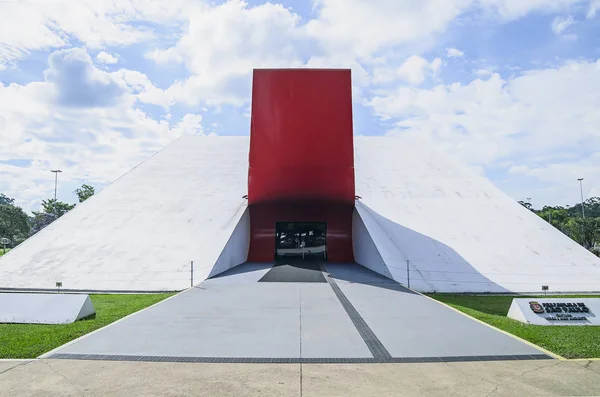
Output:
x,y
459,232
142,231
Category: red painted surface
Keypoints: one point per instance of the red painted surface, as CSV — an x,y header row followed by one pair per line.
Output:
x,y
301,157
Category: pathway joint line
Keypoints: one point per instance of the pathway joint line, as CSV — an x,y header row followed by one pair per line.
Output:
x,y
296,360
377,349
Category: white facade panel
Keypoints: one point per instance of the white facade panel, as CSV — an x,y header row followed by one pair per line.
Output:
x,y
142,231
459,232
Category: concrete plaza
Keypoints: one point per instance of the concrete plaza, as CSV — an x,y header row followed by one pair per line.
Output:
x,y
67,378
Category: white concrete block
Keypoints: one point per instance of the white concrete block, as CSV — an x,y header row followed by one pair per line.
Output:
x,y
565,311
44,308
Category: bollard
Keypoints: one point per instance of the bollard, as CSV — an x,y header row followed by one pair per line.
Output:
x,y
408,274
191,274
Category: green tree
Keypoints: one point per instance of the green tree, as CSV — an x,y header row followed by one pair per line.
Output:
x,y
85,192
14,224
55,207
526,205
6,200
51,211
556,216
584,231
591,207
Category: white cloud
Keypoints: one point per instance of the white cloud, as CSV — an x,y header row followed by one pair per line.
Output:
x,y
365,27
561,178
513,9
484,71
592,10
436,66
454,53
560,24
413,70
46,24
540,113
77,81
190,124
362,28
140,85
95,144
222,44
106,58
90,116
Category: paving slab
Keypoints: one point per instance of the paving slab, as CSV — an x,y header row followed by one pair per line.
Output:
x,y
66,378
104,378
327,331
294,271
6,365
246,320
497,379
411,325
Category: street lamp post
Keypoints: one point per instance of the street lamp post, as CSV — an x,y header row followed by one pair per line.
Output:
x,y
56,172
581,188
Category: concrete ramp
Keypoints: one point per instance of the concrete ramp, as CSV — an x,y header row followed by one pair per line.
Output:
x,y
356,316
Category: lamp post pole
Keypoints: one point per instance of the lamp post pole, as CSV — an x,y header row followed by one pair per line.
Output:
x,y
581,189
56,172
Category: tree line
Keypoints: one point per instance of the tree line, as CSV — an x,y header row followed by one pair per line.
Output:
x,y
16,225
583,226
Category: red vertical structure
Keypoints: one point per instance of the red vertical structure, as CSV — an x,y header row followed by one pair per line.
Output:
x,y
301,157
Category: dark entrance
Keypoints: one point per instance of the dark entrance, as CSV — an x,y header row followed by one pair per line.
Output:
x,y
301,240
300,249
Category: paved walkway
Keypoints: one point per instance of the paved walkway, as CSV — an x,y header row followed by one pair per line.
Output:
x,y
49,378
356,316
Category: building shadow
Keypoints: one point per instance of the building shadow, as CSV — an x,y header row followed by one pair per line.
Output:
x,y
433,265
358,274
246,267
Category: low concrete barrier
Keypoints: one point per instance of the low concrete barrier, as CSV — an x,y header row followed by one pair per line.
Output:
x,y
44,308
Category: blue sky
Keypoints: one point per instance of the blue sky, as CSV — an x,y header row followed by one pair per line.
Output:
x,y
93,87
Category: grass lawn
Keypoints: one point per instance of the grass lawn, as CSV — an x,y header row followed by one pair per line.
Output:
x,y
566,341
2,251
31,340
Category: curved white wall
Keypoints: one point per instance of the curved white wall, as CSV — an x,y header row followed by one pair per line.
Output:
x,y
460,233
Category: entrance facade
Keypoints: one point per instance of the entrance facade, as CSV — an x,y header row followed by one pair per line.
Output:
x,y
301,161
306,240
